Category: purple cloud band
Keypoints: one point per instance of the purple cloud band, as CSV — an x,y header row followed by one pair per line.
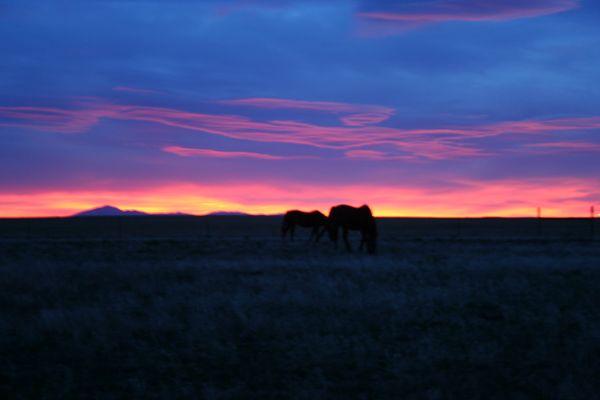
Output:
x,y
357,114
196,152
437,143
413,15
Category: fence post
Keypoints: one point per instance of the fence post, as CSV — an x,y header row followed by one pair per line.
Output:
x,y
539,221
592,221
120,227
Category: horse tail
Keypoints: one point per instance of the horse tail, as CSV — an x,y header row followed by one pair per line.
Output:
x,y
370,227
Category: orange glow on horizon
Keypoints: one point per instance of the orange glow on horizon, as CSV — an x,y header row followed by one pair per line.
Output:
x,y
566,198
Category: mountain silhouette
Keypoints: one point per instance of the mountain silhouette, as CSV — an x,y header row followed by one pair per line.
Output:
x,y
109,211
228,213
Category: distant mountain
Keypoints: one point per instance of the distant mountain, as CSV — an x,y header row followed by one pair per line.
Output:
x,y
227,213
109,211
175,214
238,214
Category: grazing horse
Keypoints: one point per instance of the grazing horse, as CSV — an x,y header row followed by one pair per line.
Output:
x,y
314,219
352,218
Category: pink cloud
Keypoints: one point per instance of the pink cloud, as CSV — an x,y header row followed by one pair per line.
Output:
x,y
359,114
367,154
376,155
49,119
325,106
364,119
440,149
436,143
195,152
412,15
562,147
569,145
538,126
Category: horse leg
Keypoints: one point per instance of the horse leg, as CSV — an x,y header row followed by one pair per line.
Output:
x,y
314,234
284,230
319,233
346,241
334,237
364,237
310,236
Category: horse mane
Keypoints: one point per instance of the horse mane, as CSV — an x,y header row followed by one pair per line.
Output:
x,y
366,207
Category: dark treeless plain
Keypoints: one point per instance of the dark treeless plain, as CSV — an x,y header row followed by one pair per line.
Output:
x,y
220,307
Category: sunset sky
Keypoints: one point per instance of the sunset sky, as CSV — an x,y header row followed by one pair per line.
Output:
x,y
418,108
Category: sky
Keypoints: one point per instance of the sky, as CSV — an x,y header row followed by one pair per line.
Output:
x,y
444,108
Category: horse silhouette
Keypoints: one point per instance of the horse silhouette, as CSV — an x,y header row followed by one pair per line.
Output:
x,y
314,219
353,218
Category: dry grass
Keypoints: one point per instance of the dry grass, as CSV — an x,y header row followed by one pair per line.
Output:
x,y
237,316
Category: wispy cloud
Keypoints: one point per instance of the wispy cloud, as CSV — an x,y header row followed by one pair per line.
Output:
x,y
326,106
364,119
434,143
50,119
196,152
367,154
562,147
412,15
376,155
358,114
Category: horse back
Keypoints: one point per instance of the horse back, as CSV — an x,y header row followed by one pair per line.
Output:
x,y
352,217
291,216
306,219
318,217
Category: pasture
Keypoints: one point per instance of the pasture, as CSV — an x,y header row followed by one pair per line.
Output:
x,y
221,308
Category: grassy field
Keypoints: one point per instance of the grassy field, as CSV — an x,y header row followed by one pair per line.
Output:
x,y
221,308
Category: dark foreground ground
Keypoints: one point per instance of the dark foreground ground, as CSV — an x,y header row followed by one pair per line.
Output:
x,y
220,308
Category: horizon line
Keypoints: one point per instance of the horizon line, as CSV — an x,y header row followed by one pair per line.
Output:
x,y
251,215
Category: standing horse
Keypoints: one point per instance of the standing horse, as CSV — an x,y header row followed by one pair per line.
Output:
x,y
352,218
314,219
